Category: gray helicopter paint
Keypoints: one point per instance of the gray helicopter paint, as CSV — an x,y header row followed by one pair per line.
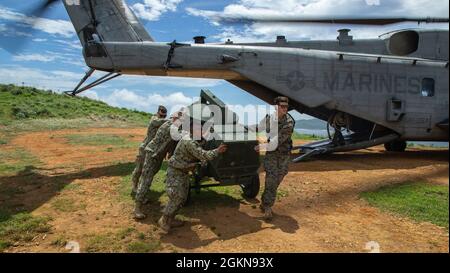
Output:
x,y
116,21
363,85
353,85
439,38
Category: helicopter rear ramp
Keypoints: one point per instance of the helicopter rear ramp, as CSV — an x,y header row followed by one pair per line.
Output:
x,y
351,142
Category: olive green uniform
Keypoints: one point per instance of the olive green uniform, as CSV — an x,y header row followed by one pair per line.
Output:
x,y
276,162
154,124
187,154
155,152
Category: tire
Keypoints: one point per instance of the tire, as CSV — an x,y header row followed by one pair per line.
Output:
x,y
396,146
251,190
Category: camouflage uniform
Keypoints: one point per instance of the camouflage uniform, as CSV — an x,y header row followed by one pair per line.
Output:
x,y
155,123
276,163
155,152
187,154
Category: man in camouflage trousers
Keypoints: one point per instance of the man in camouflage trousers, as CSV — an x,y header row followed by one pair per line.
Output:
x,y
187,155
155,152
155,122
277,159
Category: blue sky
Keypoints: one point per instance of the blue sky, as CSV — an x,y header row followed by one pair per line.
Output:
x,y
52,59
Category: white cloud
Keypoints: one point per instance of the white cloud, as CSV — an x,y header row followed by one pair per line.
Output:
x,y
72,44
44,79
90,94
260,9
152,10
148,103
34,57
39,40
50,57
55,27
171,81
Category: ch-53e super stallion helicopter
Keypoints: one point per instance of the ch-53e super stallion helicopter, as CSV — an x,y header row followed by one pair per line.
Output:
x,y
384,91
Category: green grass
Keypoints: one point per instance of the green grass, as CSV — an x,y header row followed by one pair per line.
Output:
x,y
20,228
208,198
30,109
72,187
124,240
60,241
13,161
67,205
143,247
157,188
101,140
282,194
420,201
106,243
429,145
298,136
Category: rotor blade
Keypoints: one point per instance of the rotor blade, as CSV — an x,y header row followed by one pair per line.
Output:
x,y
21,28
40,9
317,20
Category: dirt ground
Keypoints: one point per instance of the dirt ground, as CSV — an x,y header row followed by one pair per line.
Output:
x,y
320,210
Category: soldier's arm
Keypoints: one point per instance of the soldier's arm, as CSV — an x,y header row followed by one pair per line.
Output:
x,y
283,135
155,123
286,132
163,147
171,148
202,155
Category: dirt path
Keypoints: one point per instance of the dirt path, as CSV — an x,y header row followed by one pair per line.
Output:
x,y
320,210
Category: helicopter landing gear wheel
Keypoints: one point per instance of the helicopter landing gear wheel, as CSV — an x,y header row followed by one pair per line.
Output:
x,y
395,146
251,189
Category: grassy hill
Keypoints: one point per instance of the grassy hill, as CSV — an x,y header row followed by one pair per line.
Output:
x,y
28,108
311,124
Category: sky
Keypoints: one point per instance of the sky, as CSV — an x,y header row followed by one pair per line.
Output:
x,y
52,59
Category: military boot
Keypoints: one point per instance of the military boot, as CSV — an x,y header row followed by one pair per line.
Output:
x,y
138,213
268,214
164,223
261,208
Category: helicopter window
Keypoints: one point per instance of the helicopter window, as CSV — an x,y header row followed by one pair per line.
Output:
x,y
428,87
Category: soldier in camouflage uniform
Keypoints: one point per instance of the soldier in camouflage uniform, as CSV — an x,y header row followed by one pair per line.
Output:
x,y
155,152
188,154
279,146
155,122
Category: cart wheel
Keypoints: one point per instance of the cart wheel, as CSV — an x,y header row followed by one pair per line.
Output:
x,y
396,146
251,189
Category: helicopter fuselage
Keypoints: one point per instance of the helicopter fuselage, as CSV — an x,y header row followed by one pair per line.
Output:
x,y
406,95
